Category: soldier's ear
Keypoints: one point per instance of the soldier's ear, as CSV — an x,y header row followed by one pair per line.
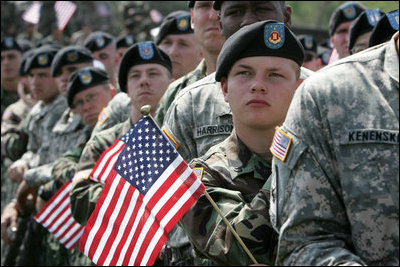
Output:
x,y
224,87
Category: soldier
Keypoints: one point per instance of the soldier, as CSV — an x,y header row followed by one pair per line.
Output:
x,y
385,28
176,38
311,59
335,188
199,117
145,73
39,124
339,26
258,77
361,29
102,45
205,24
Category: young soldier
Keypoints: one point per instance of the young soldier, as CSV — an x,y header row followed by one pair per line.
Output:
x,y
258,68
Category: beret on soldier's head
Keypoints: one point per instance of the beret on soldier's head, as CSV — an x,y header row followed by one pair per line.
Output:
x,y
217,5
9,43
364,23
191,4
385,28
344,13
98,40
263,38
24,59
41,57
138,54
126,41
69,55
177,22
83,79
308,42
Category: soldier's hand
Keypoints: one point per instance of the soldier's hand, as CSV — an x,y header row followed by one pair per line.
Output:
x,y
9,221
16,172
24,191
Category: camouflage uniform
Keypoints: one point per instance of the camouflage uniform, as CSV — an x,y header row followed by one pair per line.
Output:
x,y
69,131
40,123
13,145
7,98
118,110
233,176
335,197
175,87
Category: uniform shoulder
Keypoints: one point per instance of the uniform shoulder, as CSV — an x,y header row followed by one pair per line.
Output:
x,y
197,86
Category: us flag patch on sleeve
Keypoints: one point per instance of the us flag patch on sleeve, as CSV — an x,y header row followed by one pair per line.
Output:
x,y
281,144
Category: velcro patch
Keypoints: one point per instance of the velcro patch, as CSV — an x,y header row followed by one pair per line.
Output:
x,y
281,144
103,116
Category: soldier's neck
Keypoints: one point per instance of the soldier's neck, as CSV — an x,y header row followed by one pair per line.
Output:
x,y
258,141
10,85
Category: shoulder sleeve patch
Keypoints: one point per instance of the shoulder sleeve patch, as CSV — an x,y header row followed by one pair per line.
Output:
x,y
171,138
198,172
280,144
103,116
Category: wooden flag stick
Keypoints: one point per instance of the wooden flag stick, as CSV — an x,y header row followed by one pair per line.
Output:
x,y
145,110
230,227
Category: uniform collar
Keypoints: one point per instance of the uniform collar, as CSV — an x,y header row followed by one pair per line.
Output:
x,y
391,64
244,161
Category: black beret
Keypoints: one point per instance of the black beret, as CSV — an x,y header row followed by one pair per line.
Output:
x,y
217,5
364,23
24,59
98,40
83,79
9,43
41,57
177,22
25,45
345,12
138,54
263,38
308,42
126,41
385,28
191,4
324,56
72,54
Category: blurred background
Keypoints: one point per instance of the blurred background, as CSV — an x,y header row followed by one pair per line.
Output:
x,y
140,18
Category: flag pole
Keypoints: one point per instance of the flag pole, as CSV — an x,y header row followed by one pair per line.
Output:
x,y
145,110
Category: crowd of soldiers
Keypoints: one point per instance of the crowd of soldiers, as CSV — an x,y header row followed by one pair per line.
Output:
x,y
297,143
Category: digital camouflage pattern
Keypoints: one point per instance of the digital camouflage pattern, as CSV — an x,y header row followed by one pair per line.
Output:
x,y
40,123
198,118
236,179
335,199
13,137
175,87
117,110
69,131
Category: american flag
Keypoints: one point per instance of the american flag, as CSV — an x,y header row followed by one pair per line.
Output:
x,y
148,190
64,12
56,217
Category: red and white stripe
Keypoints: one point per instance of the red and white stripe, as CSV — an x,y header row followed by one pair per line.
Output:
x,y
277,148
56,217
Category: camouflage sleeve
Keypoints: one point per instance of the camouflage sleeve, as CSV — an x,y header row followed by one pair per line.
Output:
x,y
13,137
84,196
210,235
38,176
178,124
306,203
